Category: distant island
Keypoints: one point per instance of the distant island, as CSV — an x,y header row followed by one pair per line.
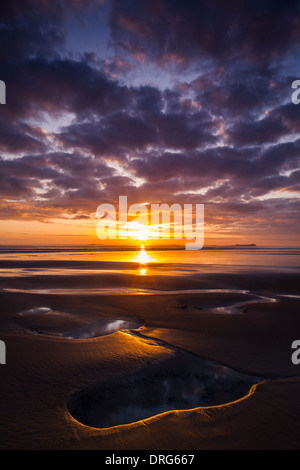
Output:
x,y
249,244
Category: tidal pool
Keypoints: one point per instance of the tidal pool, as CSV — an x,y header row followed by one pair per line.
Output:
x,y
45,320
100,328
182,382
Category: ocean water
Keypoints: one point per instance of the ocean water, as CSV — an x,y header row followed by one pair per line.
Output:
x,y
210,258
78,270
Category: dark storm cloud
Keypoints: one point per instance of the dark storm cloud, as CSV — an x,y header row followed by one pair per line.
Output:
x,y
275,124
226,172
29,28
256,132
211,165
37,28
124,131
57,180
109,135
20,137
188,31
39,85
238,91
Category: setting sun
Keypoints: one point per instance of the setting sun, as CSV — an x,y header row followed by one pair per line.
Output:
x,y
138,231
143,233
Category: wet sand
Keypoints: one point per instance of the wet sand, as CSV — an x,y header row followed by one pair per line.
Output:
x,y
45,367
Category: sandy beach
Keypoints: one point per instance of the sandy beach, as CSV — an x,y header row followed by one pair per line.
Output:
x,y
63,349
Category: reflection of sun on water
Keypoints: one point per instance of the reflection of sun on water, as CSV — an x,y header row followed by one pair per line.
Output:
x,y
143,258
142,233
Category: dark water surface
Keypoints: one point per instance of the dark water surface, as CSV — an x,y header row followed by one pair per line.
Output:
x,y
183,382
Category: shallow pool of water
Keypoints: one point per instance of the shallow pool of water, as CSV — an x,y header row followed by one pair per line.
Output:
x,y
183,382
99,328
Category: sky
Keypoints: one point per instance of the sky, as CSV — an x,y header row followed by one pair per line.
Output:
x,y
164,101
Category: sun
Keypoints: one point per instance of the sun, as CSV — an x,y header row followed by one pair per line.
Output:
x,y
143,233
138,231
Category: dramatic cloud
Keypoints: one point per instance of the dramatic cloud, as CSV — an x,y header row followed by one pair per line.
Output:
x,y
172,30
160,100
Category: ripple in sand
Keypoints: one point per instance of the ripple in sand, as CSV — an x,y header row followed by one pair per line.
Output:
x,y
183,382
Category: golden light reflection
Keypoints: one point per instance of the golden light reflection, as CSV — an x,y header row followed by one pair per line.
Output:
x,y
143,256
143,259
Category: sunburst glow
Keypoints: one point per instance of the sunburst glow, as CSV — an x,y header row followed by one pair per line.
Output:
x,y
143,256
138,231
143,233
